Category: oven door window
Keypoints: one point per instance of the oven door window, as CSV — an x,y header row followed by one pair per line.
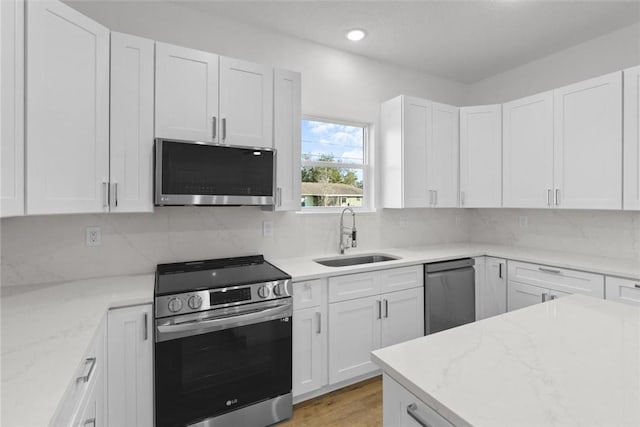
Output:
x,y
205,375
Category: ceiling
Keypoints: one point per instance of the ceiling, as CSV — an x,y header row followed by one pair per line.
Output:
x,y
465,41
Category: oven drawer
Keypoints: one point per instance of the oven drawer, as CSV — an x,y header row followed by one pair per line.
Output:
x,y
307,294
558,279
623,290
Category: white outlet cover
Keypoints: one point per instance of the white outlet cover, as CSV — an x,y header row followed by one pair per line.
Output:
x,y
267,228
93,236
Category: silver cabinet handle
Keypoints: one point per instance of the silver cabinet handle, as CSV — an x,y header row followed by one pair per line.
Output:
x,y
319,321
500,270
436,201
90,421
115,194
430,197
636,285
549,270
412,410
557,197
105,194
224,129
214,127
145,330
549,197
85,378
552,297
379,309
386,308
545,297
462,198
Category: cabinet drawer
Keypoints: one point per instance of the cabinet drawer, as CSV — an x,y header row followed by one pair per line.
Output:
x,y
559,279
623,290
398,279
86,378
342,288
307,294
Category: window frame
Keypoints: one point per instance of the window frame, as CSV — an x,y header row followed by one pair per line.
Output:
x,y
365,166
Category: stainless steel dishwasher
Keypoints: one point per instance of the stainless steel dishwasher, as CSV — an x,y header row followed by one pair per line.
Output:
x,y
449,294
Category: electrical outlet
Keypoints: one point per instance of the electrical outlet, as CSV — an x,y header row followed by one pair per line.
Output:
x,y
524,221
267,228
93,236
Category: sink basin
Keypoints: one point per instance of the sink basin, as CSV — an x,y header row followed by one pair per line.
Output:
x,y
343,261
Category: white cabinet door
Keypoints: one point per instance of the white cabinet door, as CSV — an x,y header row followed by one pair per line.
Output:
x,y
12,108
307,350
354,332
631,197
186,94
287,139
521,295
479,269
246,103
481,156
528,152
130,366
442,156
67,111
416,117
588,144
402,316
491,294
131,123
623,290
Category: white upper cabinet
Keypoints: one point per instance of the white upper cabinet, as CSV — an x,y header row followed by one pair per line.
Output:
x,y
246,103
131,123
481,156
528,152
405,124
186,94
442,156
67,111
632,139
588,144
12,108
287,114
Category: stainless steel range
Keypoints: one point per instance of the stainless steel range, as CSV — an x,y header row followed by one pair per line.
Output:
x,y
222,343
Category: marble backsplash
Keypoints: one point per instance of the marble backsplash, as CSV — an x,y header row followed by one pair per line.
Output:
x,y
43,249
613,234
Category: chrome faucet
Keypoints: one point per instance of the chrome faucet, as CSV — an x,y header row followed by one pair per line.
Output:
x,y
346,231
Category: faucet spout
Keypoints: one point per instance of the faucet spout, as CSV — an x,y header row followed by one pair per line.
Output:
x,y
349,232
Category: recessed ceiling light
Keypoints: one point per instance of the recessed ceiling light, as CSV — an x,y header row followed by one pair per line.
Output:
x,y
356,34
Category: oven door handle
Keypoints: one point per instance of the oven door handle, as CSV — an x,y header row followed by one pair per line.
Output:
x,y
173,331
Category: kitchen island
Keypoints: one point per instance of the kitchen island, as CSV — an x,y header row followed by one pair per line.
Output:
x,y
573,361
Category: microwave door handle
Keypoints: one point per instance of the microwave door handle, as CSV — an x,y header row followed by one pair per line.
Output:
x,y
225,322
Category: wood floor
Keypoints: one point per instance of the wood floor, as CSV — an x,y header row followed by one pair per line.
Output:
x,y
359,405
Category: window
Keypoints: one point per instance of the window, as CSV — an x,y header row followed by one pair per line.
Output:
x,y
334,165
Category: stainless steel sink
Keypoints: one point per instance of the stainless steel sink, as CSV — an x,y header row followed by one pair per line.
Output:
x,y
343,261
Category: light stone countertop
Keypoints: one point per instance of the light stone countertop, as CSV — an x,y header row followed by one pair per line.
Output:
x,y
304,268
46,330
574,361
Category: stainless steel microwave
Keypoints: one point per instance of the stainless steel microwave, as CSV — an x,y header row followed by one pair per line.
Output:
x,y
201,174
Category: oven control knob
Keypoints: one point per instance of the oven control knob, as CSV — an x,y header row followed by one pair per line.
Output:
x,y
263,292
194,302
279,290
175,305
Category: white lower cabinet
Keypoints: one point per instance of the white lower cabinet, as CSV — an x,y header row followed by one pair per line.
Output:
x,y
400,408
359,326
622,290
309,336
130,366
84,400
530,284
491,287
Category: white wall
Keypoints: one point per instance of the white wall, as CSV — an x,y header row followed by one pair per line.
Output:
x,y
335,85
611,52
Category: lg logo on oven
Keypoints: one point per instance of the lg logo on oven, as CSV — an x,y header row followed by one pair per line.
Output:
x,y
232,402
